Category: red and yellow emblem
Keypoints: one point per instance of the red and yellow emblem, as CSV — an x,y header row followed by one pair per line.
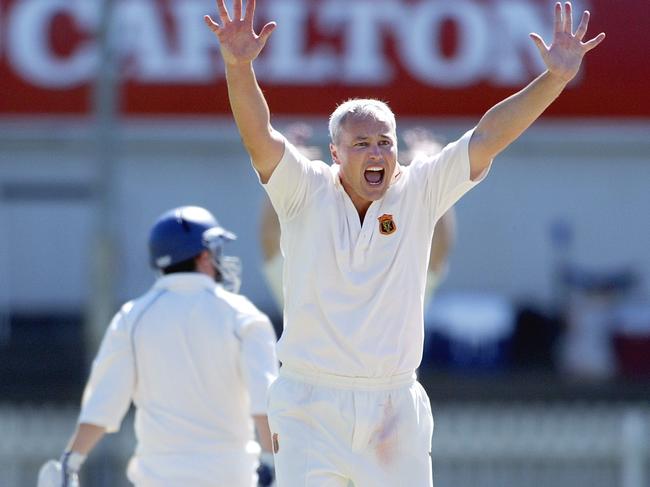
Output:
x,y
386,224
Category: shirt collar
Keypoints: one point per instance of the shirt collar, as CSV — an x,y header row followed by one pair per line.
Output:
x,y
187,281
335,170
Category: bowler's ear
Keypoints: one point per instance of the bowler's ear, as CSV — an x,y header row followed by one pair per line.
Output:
x,y
335,157
203,262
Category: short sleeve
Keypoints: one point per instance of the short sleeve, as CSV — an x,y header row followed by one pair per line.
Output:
x,y
447,175
294,181
109,390
259,362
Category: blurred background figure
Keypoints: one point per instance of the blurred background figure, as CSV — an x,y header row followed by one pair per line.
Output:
x,y
195,358
420,142
588,301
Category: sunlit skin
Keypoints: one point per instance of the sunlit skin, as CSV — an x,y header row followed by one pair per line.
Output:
x,y
499,127
366,143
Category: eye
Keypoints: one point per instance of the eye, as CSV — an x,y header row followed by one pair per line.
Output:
x,y
361,144
385,142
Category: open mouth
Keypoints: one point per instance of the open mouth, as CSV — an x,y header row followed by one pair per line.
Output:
x,y
374,175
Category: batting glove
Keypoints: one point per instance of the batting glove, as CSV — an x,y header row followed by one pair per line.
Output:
x,y
62,473
266,470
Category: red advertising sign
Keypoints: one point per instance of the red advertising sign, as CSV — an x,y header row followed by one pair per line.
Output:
x,y
425,57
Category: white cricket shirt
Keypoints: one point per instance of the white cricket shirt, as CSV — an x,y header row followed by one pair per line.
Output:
x,y
354,293
196,361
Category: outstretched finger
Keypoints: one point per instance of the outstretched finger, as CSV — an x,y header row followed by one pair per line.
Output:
x,y
250,12
568,18
212,25
223,11
584,23
266,32
589,45
558,17
539,42
236,10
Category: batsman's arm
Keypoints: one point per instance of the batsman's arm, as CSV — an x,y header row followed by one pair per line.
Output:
x,y
263,432
260,368
266,470
107,396
85,438
64,472
507,120
239,47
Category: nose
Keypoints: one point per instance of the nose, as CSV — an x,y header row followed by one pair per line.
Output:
x,y
375,151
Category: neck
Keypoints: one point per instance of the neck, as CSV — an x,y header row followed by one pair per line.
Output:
x,y
362,211
359,203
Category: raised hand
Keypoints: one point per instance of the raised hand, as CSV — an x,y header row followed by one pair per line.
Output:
x,y
237,40
564,56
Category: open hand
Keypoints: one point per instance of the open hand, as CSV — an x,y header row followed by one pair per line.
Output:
x,y
237,40
564,56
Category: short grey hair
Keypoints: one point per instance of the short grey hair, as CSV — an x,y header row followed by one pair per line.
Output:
x,y
358,107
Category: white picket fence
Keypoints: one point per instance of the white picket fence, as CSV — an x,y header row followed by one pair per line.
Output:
x,y
475,445
541,445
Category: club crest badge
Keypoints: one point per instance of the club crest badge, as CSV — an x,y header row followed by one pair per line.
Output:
x,y
386,224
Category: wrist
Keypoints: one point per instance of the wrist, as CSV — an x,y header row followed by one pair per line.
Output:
x,y
266,469
233,65
561,80
71,461
266,457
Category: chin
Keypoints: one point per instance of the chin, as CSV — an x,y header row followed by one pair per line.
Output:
x,y
375,194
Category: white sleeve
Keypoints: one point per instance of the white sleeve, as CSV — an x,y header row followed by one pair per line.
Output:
x,y
108,393
447,175
259,362
293,182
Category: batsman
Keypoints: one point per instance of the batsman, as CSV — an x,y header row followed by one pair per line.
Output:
x,y
195,358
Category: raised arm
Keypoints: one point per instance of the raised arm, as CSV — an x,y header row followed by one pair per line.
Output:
x,y
507,120
240,46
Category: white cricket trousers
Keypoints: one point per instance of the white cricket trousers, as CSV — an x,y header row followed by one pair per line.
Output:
x,y
227,469
329,431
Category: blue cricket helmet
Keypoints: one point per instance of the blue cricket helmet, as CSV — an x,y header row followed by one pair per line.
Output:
x,y
183,233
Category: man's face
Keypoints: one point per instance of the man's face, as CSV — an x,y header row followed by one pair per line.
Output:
x,y
367,153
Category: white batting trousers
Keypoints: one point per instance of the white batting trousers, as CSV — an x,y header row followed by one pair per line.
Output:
x,y
330,430
234,469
